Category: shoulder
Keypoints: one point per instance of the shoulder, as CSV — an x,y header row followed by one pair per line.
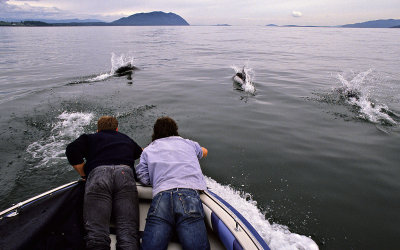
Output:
x,y
83,137
128,138
122,135
80,142
193,143
117,134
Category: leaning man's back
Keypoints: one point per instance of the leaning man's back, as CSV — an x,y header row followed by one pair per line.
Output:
x,y
171,164
110,187
174,163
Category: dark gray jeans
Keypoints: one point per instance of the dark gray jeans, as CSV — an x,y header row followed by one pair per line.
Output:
x,y
111,191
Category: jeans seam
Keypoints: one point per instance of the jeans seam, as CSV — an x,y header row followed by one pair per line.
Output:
x,y
156,205
172,201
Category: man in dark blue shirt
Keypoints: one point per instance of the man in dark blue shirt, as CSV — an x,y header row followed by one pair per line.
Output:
x,y
110,186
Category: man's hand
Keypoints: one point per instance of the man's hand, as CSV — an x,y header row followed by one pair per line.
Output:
x,y
205,152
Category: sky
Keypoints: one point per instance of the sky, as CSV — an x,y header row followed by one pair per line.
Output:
x,y
210,12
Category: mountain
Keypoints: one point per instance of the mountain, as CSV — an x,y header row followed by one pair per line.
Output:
x,y
388,23
155,18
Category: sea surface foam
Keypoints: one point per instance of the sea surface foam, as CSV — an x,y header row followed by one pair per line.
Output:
x,y
51,149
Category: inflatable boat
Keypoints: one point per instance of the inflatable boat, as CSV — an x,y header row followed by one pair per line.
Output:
x,y
53,220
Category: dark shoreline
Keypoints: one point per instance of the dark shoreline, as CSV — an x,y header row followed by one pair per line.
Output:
x,y
43,24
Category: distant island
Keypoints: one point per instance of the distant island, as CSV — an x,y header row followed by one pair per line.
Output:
x,y
388,23
155,18
55,23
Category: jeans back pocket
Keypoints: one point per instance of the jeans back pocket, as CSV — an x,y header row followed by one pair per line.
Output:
x,y
192,205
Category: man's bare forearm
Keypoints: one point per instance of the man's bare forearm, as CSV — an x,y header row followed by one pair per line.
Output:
x,y
79,168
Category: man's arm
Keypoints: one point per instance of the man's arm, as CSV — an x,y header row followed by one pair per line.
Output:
x,y
79,169
142,170
205,152
76,152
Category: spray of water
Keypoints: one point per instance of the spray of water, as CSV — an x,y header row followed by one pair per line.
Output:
x,y
248,85
116,63
276,236
51,150
355,90
120,61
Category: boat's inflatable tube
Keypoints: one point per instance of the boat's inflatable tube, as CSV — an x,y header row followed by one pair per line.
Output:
x,y
234,231
224,234
248,226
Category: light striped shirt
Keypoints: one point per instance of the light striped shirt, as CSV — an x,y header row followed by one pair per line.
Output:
x,y
171,162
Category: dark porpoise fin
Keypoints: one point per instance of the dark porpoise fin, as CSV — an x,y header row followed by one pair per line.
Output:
x,y
353,94
347,93
241,76
124,70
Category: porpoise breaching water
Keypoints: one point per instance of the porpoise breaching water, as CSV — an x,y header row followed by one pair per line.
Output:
x,y
243,79
120,66
356,93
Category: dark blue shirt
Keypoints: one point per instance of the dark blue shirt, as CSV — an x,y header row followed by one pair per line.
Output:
x,y
107,147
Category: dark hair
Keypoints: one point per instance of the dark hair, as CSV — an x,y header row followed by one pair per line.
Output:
x,y
164,127
107,123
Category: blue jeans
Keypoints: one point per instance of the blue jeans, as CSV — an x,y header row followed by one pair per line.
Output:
x,y
111,192
176,210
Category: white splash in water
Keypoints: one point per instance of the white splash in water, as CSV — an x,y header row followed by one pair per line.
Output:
x,y
248,85
356,83
68,128
116,63
357,93
101,77
275,235
120,61
371,111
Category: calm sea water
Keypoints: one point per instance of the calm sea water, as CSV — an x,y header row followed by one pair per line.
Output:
x,y
308,163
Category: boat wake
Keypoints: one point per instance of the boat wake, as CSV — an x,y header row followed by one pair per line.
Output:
x,y
275,235
356,91
120,66
49,151
243,79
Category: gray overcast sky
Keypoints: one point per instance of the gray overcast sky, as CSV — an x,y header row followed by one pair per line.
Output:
x,y
204,12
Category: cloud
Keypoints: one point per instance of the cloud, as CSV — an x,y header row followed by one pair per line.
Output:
x,y
296,13
15,10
